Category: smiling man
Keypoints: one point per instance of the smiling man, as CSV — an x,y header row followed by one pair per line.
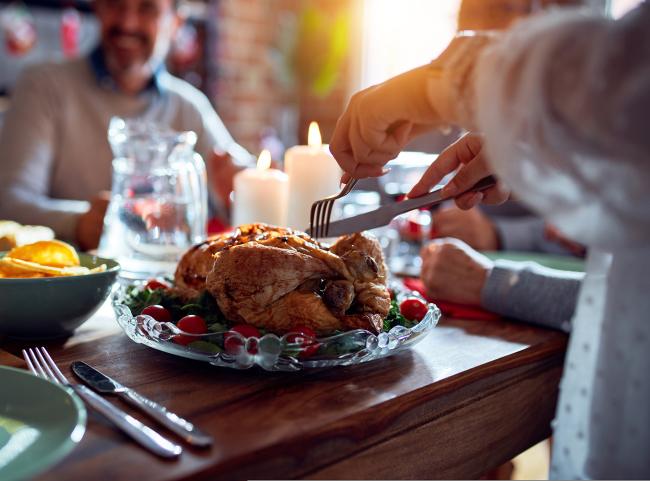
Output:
x,y
135,38
54,154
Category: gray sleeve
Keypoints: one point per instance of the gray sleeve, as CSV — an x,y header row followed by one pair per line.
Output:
x,y
26,160
529,292
526,234
518,233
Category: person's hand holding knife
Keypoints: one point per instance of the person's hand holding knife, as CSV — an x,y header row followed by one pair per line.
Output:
x,y
381,120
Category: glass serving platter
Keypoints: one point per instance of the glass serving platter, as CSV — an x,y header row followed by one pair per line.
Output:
x,y
289,352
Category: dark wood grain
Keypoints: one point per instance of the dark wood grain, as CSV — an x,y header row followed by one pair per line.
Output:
x,y
465,440
10,360
468,397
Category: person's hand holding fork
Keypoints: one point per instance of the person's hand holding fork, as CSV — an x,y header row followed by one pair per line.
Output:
x,y
380,120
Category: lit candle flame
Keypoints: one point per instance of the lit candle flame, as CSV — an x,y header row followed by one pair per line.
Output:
x,y
264,160
313,136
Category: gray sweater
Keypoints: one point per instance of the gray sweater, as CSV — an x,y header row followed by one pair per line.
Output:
x,y
532,293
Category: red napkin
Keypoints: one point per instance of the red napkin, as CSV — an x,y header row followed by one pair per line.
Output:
x,y
452,309
216,226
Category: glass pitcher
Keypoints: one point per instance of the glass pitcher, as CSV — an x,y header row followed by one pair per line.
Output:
x,y
158,205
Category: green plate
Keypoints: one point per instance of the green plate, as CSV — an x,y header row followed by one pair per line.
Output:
x,y
563,263
40,423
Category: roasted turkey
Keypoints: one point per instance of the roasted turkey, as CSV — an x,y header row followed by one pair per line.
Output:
x,y
276,278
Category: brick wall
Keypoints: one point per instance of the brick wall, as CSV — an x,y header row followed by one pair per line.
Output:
x,y
246,87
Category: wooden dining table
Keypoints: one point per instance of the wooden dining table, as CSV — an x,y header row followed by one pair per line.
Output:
x,y
470,396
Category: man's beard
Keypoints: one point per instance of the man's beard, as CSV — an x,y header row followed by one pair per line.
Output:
x,y
143,65
140,41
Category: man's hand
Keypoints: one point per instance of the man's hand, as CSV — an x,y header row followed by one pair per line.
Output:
x,y
471,226
454,272
466,155
221,171
90,224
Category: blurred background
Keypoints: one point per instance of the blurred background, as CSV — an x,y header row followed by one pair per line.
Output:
x,y
271,66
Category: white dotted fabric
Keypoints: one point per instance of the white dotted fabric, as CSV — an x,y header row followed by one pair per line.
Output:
x,y
564,104
602,426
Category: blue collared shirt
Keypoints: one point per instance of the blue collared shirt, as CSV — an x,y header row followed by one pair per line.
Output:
x,y
97,61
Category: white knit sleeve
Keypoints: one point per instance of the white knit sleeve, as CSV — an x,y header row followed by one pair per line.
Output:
x,y
564,102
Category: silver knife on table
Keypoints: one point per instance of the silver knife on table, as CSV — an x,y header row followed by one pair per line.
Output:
x,y
383,215
104,384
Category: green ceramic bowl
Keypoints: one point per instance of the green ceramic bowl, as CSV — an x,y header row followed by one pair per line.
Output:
x,y
51,307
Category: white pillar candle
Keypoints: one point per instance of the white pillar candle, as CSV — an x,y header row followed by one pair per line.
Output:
x,y
313,174
260,194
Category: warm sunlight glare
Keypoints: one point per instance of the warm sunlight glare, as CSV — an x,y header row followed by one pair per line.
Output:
x,y
313,135
264,160
401,35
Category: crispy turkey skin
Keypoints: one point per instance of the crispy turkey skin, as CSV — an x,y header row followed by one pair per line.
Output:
x,y
277,279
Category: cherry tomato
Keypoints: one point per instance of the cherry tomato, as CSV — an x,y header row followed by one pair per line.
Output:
x,y
182,340
413,309
306,337
193,325
233,344
159,313
154,284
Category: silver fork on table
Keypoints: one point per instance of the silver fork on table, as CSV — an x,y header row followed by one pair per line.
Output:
x,y
42,365
321,211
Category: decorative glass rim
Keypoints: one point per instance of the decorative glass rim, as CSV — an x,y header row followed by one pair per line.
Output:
x,y
292,351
